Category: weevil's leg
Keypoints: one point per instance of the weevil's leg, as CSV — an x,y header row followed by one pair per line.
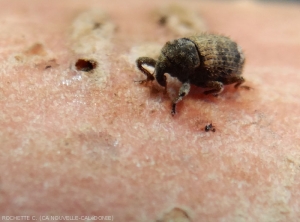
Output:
x,y
183,91
145,61
236,79
217,87
241,80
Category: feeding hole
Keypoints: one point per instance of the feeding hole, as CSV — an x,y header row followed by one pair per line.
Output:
x,y
85,65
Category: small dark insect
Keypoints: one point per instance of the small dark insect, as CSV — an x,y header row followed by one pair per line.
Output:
x,y
209,127
207,60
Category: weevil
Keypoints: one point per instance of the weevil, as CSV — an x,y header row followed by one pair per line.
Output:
x,y
207,60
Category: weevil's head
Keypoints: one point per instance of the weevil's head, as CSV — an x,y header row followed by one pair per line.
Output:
x,y
179,58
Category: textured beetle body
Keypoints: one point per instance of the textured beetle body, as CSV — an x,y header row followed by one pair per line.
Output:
x,y
206,60
220,58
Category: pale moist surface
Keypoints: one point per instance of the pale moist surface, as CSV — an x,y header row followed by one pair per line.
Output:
x,y
220,57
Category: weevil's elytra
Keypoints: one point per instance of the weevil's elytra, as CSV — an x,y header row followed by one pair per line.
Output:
x,y
206,60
